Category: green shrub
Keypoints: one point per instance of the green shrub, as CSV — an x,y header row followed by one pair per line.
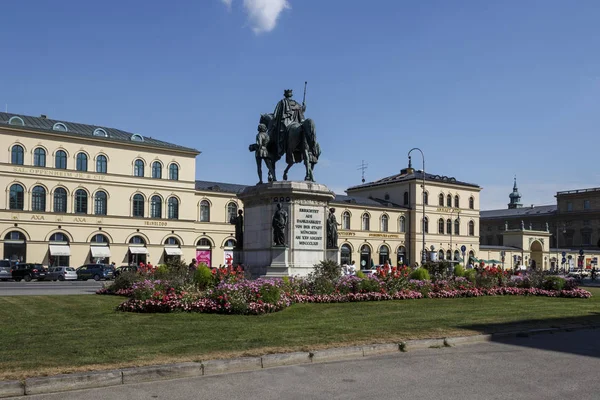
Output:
x,y
360,274
270,294
176,272
459,270
203,277
553,283
438,270
369,285
420,274
124,281
327,269
322,285
470,274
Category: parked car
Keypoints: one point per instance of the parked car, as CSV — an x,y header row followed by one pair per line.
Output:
x,y
28,271
61,274
95,271
5,273
125,268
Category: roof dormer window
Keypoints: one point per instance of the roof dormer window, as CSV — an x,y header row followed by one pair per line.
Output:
x,y
16,121
137,138
100,132
59,126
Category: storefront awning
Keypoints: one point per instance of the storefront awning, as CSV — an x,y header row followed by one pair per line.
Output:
x,y
60,250
100,251
173,251
138,250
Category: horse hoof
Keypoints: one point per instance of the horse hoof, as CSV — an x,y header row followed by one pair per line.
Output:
x,y
285,177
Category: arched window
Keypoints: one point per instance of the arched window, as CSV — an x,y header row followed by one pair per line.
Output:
x,y
406,198
99,238
174,172
60,200
345,220
441,199
137,138
384,223
81,200
137,240
155,207
60,127
59,237
100,132
138,168
441,255
156,170
384,254
101,164
425,198
82,162
60,160
456,255
16,155
16,121
402,224
441,226
449,200
138,205
471,203
39,157
448,255
456,202
204,211
231,211
229,243
204,242
345,254
100,203
16,197
426,225
471,228
449,226
457,226
172,241
173,208
38,199
366,222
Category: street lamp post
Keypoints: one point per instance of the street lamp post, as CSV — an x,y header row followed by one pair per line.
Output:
x,y
424,251
451,228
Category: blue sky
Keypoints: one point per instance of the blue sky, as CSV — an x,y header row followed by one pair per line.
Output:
x,y
486,89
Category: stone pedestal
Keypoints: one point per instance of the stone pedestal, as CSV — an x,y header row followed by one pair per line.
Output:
x,y
305,236
333,255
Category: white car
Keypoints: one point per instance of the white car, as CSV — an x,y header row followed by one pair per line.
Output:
x,y
61,274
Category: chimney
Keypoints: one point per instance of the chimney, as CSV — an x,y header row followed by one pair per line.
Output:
x,y
43,116
532,206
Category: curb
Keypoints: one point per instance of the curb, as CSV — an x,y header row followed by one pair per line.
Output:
x,y
98,379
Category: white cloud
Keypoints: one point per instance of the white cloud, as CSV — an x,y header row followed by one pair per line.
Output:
x,y
262,14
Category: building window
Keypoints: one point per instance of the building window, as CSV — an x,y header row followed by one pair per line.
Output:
x,y
426,225
100,132
345,254
204,242
138,168
38,199
204,211
449,226
155,207
82,161
99,238
16,155
365,222
174,172
402,224
471,228
138,205
569,205
384,254
448,255
81,198
16,121
441,226
39,157
456,202
384,223
60,127
232,209
471,203
586,238
586,204
60,200
60,160
101,164
173,208
457,226
441,200
425,198
406,198
137,138
156,170
16,197
100,203
345,220
137,240
449,200
59,237
441,255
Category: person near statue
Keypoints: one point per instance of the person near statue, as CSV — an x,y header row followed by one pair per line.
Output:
x,y
262,154
280,219
239,229
332,230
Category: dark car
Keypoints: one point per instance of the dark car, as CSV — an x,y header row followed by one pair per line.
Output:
x,y
125,268
95,271
5,267
28,271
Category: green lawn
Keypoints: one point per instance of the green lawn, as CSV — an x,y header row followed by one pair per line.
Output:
x,y
54,334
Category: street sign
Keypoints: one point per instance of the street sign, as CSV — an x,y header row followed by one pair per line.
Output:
x,y
581,252
463,248
564,260
564,253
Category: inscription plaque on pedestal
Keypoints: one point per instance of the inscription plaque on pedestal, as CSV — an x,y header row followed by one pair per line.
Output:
x,y
308,228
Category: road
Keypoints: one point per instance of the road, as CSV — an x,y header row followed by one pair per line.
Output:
x,y
548,366
48,288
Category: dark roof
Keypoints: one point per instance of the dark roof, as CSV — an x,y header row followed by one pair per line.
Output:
x,y
84,130
220,187
518,212
364,201
405,176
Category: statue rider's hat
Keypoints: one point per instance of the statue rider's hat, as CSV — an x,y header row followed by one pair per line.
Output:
x,y
287,93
